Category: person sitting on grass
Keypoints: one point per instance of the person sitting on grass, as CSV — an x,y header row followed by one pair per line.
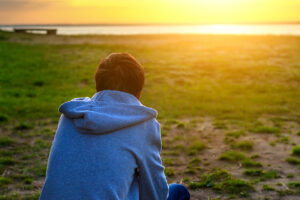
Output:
x,y
108,147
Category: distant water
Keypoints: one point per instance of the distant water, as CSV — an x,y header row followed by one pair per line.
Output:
x,y
278,29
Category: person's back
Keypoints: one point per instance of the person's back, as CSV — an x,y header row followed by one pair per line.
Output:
x,y
108,147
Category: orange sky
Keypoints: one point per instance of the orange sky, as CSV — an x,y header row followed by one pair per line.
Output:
x,y
148,11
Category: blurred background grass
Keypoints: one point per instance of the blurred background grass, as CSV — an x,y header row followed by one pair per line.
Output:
x,y
239,77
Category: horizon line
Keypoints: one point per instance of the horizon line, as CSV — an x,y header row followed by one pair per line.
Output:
x,y
148,24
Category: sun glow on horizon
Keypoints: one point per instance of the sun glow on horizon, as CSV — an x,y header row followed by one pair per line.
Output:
x,y
149,11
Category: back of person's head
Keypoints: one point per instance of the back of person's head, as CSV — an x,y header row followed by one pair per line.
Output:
x,y
122,72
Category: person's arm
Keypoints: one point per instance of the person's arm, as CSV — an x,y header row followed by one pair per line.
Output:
x,y
152,181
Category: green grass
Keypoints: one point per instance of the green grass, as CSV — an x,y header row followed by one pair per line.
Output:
x,y
244,145
195,161
265,129
286,192
253,172
27,72
290,175
3,118
296,151
271,174
28,180
167,161
4,181
180,125
7,161
209,180
268,188
193,166
23,126
195,147
6,141
169,171
284,139
222,181
17,196
251,163
235,186
231,136
294,184
234,156
39,170
220,125
235,134
190,170
293,160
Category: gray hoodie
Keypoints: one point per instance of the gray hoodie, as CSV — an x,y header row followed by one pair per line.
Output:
x,y
107,147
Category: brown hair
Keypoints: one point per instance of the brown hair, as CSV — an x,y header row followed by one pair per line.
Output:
x,y
120,71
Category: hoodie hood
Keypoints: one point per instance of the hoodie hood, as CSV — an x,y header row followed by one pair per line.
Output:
x,y
107,111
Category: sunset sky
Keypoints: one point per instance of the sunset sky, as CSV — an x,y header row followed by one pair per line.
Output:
x,y
148,11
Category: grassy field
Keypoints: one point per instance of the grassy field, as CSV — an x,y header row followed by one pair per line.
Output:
x,y
229,107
